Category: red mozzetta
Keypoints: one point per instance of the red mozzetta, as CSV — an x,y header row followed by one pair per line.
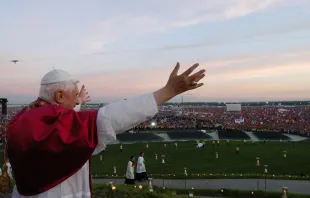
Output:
x,y
47,144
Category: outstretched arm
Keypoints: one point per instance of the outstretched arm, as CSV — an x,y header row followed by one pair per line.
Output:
x,y
122,115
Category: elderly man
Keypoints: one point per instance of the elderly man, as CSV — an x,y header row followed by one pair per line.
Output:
x,y
50,145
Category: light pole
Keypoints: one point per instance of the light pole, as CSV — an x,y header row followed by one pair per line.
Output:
x,y
163,159
266,171
185,173
284,191
257,165
150,185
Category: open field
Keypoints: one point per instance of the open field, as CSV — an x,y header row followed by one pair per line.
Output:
x,y
104,190
203,161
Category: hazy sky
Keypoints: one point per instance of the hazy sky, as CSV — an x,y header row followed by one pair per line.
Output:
x,y
251,49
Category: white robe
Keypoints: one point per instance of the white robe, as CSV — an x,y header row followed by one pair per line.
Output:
x,y
9,169
199,145
112,119
130,171
141,165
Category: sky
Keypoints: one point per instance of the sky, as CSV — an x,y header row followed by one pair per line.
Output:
x,y
252,50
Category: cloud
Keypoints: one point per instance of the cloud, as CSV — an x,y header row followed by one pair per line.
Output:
x,y
240,8
222,10
227,65
259,34
245,77
296,71
155,17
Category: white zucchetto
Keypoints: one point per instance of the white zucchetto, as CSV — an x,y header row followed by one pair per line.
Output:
x,y
56,76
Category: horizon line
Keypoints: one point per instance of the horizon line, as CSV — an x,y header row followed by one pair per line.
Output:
x,y
228,102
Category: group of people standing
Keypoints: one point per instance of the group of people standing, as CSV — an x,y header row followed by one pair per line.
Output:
x,y
140,175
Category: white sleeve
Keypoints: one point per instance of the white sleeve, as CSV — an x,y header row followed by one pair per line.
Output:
x,y
120,116
129,165
77,108
139,161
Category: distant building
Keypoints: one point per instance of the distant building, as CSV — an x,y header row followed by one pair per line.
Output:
x,y
233,107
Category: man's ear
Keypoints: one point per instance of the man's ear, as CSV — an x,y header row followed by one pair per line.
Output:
x,y
59,96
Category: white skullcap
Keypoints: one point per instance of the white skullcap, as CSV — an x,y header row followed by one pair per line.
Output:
x,y
56,76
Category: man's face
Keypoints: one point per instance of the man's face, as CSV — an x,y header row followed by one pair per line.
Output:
x,y
67,99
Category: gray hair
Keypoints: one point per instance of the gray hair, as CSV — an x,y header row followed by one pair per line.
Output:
x,y
47,91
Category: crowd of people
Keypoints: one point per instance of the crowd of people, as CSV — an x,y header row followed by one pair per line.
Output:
x,y
288,119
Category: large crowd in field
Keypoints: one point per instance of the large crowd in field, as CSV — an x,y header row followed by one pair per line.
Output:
x,y
290,119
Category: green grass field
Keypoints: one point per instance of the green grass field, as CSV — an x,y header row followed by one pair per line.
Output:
x,y
121,191
203,161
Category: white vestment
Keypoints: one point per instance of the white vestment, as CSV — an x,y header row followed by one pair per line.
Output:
x,y
112,119
140,165
9,169
130,171
199,145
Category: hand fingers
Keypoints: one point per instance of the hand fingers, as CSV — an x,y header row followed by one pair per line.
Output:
x,y
197,75
82,88
87,99
198,78
190,70
196,86
175,70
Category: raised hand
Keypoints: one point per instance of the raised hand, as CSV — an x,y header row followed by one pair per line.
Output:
x,y
178,84
83,96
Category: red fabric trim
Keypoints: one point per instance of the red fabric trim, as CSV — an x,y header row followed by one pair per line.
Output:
x,y
47,144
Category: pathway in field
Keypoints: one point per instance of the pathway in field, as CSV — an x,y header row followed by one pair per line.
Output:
x,y
296,186
165,136
295,137
252,136
214,135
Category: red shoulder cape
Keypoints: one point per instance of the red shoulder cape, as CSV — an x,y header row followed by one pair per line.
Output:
x,y
47,144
